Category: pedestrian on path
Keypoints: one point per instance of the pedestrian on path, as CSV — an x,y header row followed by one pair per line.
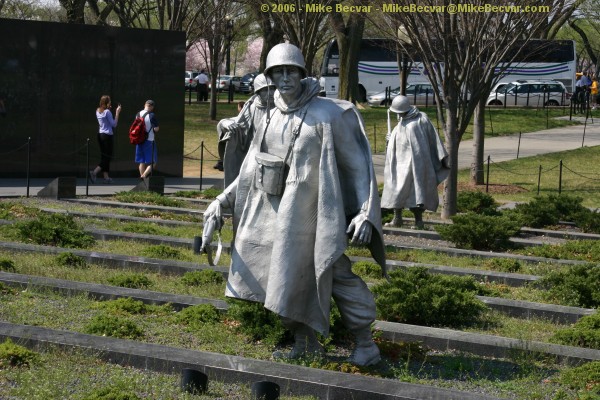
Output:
x,y
146,153
106,124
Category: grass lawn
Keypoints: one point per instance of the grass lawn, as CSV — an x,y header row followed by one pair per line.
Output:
x,y
517,180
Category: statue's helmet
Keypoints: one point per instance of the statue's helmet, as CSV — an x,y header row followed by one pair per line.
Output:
x,y
400,104
285,54
262,81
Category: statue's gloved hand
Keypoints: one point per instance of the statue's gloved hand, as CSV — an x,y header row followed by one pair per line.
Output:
x,y
212,221
361,230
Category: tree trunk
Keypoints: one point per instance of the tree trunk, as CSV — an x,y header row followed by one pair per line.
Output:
x,y
75,10
271,32
452,142
586,42
478,143
348,35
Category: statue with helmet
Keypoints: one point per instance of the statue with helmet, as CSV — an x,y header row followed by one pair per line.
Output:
x,y
305,189
235,134
416,163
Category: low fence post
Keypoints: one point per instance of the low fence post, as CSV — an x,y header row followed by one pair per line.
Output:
x,y
374,138
487,178
539,179
560,169
201,161
87,166
28,164
519,145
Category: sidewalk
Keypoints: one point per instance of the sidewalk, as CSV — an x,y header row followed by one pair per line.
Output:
x,y
499,149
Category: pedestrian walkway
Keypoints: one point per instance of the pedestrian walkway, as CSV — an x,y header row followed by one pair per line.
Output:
x,y
499,149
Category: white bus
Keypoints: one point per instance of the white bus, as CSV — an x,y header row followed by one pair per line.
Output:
x,y
378,66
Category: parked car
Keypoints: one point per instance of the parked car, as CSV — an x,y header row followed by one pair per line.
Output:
x,y
246,83
190,82
530,93
222,83
418,93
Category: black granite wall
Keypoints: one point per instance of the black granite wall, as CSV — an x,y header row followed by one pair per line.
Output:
x,y
51,78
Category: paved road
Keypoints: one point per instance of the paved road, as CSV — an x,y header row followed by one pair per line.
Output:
x,y
499,149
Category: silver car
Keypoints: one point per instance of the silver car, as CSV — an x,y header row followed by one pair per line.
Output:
x,y
418,94
532,93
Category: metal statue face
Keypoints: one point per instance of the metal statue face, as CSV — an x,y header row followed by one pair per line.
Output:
x,y
287,79
266,95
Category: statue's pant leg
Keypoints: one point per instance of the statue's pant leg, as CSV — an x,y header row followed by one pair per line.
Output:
x,y
352,296
357,307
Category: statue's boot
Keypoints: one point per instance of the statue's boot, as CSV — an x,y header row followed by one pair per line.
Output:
x,y
396,222
305,344
418,212
365,351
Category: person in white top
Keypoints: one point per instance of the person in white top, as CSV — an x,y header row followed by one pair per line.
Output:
x,y
202,86
146,153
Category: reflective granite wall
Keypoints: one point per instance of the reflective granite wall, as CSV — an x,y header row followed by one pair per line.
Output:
x,y
51,78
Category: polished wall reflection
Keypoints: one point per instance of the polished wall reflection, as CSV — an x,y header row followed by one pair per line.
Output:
x,y
51,78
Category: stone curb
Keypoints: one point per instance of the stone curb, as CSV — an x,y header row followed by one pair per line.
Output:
x,y
532,231
293,380
488,345
106,292
511,279
120,217
436,338
111,260
106,203
173,267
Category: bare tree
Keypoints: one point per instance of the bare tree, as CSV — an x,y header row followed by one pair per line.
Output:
x,y
270,28
349,34
75,10
461,48
305,25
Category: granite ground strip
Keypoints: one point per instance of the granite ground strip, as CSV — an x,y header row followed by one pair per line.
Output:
x,y
292,379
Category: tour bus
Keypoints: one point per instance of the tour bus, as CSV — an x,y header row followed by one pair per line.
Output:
x,y
378,66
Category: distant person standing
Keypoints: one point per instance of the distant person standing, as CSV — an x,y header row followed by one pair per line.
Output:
x,y
105,138
202,86
594,91
146,153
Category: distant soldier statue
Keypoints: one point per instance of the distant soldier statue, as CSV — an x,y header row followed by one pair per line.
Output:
x,y
416,163
235,134
306,186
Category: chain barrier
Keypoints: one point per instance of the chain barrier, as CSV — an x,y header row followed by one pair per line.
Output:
x,y
14,150
205,159
512,172
579,174
193,151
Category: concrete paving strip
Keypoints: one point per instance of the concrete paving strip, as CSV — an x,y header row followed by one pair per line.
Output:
x,y
485,345
111,260
429,234
106,292
136,206
516,308
120,217
292,379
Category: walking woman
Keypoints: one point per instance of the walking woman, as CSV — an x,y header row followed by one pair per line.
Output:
x,y
105,138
